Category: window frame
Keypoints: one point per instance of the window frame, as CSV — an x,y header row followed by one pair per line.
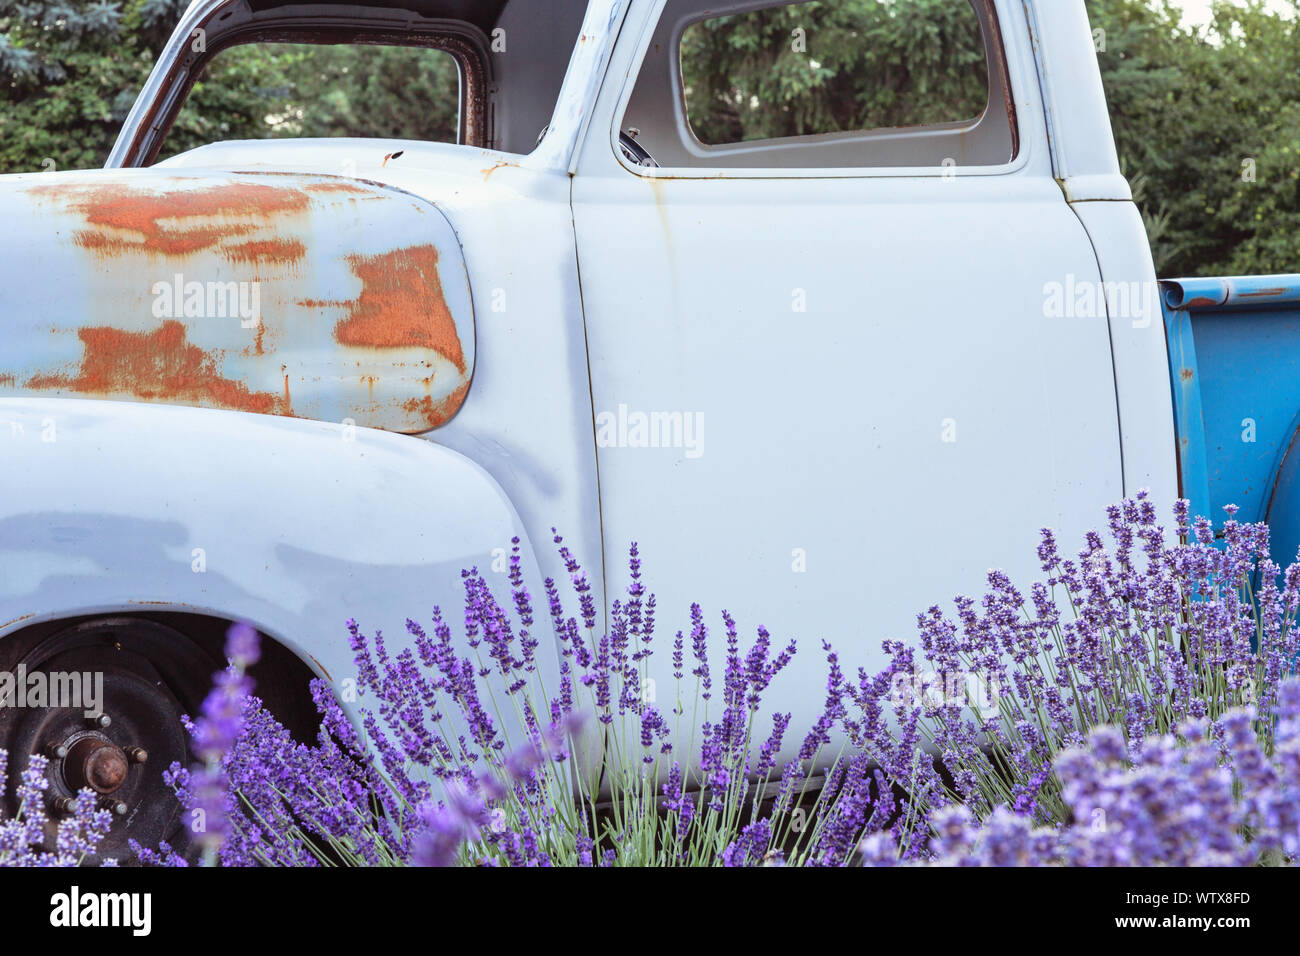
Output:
x,y
473,67
997,64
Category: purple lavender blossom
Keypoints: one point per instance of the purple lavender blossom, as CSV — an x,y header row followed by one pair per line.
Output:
x,y
23,836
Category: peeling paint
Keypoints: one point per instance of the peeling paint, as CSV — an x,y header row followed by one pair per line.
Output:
x,y
18,620
267,250
337,186
321,668
488,171
156,365
172,223
401,305
237,290
437,411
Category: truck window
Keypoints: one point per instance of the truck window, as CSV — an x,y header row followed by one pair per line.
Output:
x,y
832,83
299,90
480,74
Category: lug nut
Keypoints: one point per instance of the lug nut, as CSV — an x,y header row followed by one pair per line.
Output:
x,y
100,720
137,754
117,806
56,751
63,804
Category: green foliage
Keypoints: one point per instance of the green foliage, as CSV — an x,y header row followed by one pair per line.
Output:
x,y
68,74
1197,114
278,90
826,67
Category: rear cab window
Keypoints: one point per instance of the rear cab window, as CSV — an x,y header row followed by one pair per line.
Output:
x,y
300,90
485,74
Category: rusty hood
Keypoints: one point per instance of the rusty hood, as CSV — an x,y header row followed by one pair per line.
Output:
x,y
304,295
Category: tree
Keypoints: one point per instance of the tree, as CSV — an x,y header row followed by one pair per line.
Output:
x,y
69,73
1206,124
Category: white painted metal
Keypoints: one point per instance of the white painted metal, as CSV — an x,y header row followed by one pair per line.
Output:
x,y
1083,145
824,430
1138,339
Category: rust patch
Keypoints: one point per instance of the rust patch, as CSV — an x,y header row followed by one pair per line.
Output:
x,y
401,305
322,668
487,173
1186,374
161,365
437,412
339,186
175,223
324,304
194,240
282,251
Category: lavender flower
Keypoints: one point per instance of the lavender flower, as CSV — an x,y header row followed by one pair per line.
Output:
x,y
23,836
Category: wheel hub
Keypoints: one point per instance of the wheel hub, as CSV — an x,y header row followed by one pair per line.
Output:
x,y
150,675
94,761
97,764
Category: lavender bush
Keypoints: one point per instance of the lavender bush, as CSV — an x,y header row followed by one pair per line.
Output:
x,y
1135,709
413,785
1204,796
1139,637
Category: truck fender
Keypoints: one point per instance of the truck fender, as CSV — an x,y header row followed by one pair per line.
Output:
x,y
293,294
294,526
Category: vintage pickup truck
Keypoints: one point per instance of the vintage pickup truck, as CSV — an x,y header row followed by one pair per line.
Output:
x,y
296,381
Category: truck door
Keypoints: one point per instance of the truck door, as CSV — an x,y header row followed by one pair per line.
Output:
x,y
842,357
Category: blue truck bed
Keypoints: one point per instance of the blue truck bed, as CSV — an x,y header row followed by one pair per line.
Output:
x,y
1234,366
